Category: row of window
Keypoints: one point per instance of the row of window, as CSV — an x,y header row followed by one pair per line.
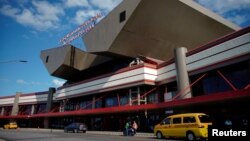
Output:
x,y
117,98
178,120
188,119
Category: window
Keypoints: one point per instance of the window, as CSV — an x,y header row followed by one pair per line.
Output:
x,y
41,108
98,104
166,121
47,59
189,120
112,101
122,16
176,120
86,105
204,119
152,98
124,100
27,109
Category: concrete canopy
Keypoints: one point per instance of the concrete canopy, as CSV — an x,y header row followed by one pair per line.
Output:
x,y
154,28
68,61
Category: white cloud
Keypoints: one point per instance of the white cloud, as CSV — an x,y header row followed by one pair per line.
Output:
x,y
45,15
236,11
27,18
105,4
35,83
96,6
83,15
41,16
8,10
21,82
223,6
238,19
76,3
58,82
47,11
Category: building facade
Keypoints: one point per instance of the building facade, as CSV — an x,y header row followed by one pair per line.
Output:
x,y
143,74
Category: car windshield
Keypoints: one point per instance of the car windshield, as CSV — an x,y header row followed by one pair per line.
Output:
x,y
204,119
72,124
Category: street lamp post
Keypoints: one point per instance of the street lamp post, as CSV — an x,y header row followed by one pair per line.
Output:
x,y
13,61
23,61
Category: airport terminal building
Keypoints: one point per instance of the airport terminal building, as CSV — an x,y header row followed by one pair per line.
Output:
x,y
145,60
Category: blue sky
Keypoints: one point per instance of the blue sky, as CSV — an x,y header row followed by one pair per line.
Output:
x,y
29,26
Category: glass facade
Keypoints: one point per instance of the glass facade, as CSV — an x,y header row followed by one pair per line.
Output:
x,y
124,100
24,109
7,110
237,75
98,104
86,105
111,101
153,98
40,108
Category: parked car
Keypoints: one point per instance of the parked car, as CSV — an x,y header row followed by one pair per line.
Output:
x,y
11,125
190,126
76,127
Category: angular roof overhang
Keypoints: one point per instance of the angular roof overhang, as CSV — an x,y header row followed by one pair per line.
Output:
x,y
155,28
67,61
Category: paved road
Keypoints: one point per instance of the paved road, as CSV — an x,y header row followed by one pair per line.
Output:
x,y
20,135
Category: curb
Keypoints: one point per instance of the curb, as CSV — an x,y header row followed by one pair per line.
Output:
x,y
120,133
115,133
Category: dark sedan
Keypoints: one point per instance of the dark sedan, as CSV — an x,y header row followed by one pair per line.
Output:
x,y
76,127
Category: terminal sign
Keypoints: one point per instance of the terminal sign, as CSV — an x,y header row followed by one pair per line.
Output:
x,y
81,30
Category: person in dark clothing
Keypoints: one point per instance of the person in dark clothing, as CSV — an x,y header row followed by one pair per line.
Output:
x,y
134,127
126,129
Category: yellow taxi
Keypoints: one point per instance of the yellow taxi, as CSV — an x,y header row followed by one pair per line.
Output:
x,y
11,125
191,126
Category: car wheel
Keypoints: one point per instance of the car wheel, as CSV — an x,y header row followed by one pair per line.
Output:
x,y
84,131
159,135
190,136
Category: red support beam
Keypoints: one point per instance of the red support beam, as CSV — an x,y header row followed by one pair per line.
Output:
x,y
247,87
93,102
228,82
54,109
144,94
21,109
118,99
182,91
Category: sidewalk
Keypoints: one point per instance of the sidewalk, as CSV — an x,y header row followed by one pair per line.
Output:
x,y
118,133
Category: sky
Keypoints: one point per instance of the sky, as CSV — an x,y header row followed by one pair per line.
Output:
x,y
29,26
